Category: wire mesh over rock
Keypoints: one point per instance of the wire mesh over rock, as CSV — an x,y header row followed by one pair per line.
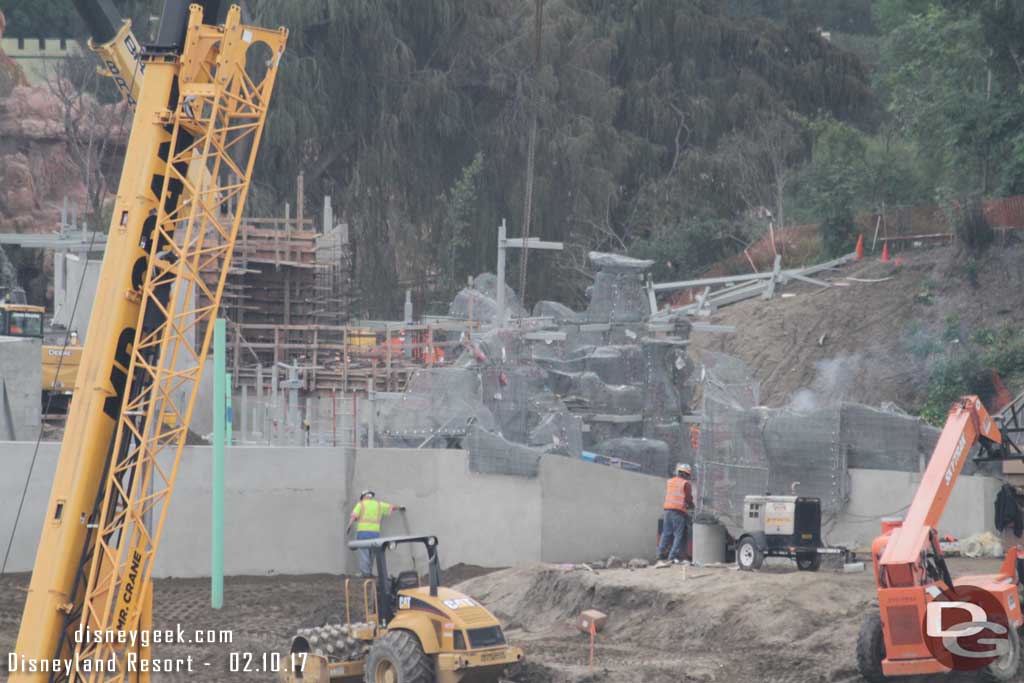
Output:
x,y
559,434
653,456
746,449
618,294
560,313
490,453
561,381
438,403
480,302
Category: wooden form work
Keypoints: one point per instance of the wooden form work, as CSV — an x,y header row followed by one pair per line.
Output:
x,y
346,358
289,276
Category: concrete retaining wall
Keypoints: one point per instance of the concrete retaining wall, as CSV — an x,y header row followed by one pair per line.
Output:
x,y
880,493
21,382
286,508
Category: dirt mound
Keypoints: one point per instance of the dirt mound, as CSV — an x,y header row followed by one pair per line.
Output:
x,y
716,624
862,339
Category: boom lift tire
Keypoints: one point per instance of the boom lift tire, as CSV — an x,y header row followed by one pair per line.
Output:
x,y
398,657
1005,668
748,556
808,562
871,649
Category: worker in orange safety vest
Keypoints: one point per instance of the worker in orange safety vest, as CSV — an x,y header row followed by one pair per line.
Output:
x,y
676,520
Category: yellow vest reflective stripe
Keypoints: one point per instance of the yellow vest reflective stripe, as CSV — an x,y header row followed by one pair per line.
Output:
x,y
369,514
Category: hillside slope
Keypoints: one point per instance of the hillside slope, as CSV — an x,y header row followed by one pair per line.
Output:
x,y
882,340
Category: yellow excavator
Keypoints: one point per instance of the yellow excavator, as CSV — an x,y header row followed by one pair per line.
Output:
x,y
59,361
199,115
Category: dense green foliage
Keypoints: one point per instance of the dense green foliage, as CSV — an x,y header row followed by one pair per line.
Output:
x,y
39,18
58,19
642,108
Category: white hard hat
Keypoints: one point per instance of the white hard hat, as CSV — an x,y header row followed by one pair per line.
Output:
x,y
684,468
367,494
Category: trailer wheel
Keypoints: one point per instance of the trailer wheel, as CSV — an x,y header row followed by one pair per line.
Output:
x,y
748,556
808,562
871,649
1005,668
398,657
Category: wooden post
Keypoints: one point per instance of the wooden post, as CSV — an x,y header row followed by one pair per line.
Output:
x,y
344,359
236,351
300,201
387,371
430,345
277,346
316,347
288,296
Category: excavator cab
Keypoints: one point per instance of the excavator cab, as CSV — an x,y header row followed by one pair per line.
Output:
x,y
17,317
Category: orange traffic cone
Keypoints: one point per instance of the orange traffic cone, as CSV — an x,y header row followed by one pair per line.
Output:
x,y
885,253
859,252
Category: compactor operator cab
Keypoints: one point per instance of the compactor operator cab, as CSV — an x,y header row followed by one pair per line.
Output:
x,y
388,587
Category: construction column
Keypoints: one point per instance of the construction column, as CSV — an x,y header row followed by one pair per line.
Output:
x,y
217,478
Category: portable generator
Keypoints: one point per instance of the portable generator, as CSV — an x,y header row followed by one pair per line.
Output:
x,y
781,526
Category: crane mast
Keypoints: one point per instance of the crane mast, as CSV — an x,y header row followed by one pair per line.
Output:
x,y
203,104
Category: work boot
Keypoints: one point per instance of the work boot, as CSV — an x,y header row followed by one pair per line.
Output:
x,y
662,563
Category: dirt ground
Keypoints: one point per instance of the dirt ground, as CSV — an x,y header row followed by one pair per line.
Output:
x,y
855,340
707,624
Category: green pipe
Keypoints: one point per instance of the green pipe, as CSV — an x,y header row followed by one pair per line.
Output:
x,y
230,428
217,478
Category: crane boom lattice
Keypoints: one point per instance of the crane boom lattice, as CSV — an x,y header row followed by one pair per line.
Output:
x,y
216,125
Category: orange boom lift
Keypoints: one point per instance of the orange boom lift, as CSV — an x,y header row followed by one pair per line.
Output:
x,y
910,570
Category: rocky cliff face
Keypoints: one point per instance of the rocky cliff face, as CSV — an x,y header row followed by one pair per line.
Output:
x,y
55,142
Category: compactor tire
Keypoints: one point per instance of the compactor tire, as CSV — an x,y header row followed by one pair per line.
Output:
x,y
1005,668
748,556
808,562
871,649
398,657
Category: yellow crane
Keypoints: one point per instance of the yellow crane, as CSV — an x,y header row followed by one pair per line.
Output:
x,y
203,104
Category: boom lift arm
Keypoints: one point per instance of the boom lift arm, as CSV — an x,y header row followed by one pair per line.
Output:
x,y
910,570
205,97
968,424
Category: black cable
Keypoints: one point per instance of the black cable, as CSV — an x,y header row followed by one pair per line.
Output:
x,y
49,399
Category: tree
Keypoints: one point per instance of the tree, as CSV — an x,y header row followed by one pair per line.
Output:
x,y
766,156
40,19
93,140
385,104
941,95
834,180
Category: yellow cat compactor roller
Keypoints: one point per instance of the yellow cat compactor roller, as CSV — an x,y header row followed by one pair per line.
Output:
x,y
409,633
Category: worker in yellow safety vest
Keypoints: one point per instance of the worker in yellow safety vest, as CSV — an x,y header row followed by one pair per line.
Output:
x,y
366,517
676,520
